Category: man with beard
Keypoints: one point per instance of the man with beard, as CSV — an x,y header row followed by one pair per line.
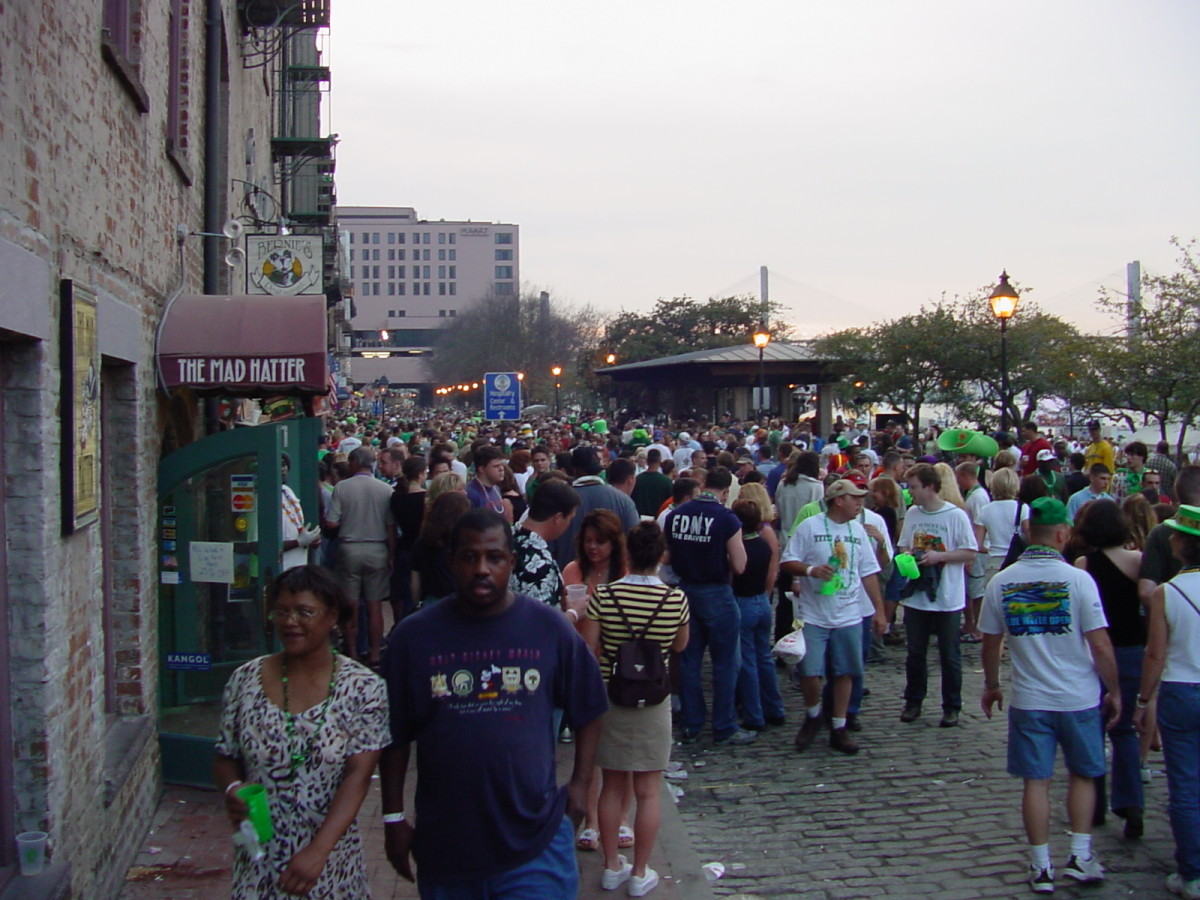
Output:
x,y
475,680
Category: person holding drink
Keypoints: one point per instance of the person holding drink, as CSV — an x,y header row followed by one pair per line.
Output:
x,y
307,725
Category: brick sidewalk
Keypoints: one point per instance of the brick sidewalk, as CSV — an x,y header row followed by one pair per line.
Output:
x,y
187,854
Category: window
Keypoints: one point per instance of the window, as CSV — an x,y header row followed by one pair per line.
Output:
x,y
366,271
400,290
441,237
453,239
504,237
441,289
352,237
391,237
391,255
416,287
400,271
120,45
416,237
504,288
424,254
391,271
177,95
453,289
441,254
427,286
375,273
453,313
391,293
441,314
400,239
351,256
454,271
441,271
427,238
425,271
504,271
454,254
374,254
375,237
400,255
503,255
391,314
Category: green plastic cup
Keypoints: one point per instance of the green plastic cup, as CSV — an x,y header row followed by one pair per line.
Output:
x,y
906,564
255,796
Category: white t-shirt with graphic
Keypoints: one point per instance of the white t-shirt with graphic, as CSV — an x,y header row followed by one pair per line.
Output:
x,y
949,528
1044,606
814,542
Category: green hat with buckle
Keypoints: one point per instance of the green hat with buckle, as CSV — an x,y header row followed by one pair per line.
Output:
x,y
1187,520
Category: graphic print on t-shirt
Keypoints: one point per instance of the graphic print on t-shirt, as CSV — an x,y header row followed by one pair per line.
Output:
x,y
473,685
1036,607
922,540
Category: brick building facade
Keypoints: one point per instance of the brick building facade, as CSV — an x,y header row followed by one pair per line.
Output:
x,y
125,127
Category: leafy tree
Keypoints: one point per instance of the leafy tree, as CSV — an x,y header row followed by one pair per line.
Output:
x,y
1151,368
682,324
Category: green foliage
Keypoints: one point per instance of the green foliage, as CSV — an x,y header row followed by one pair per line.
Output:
x,y
681,325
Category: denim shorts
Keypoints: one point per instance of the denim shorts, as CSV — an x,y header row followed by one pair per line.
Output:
x,y
842,646
1035,734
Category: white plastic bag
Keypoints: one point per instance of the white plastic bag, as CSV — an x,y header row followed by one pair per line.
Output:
x,y
791,647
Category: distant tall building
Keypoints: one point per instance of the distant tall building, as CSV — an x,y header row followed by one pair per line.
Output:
x,y
410,276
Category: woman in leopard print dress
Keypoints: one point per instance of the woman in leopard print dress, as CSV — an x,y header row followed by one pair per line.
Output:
x,y
308,724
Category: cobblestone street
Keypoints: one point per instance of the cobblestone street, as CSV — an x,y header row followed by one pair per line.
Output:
x,y
919,812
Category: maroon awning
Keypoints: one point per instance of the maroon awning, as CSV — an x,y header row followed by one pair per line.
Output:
x,y
246,346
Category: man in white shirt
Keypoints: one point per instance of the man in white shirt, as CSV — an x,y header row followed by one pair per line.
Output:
x,y
940,534
966,474
1051,615
833,556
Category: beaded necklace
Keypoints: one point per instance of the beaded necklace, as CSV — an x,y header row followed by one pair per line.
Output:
x,y
1040,551
301,755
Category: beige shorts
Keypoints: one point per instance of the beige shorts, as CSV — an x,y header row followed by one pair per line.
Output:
x,y
363,568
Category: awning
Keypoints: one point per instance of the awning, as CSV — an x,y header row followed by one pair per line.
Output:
x,y
246,346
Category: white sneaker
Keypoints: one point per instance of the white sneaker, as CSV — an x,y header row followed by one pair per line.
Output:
x,y
611,879
1147,774
1089,870
1041,879
640,887
1189,890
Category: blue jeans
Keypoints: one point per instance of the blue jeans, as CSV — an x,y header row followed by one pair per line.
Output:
x,y
716,625
1127,790
1179,725
757,687
552,876
919,626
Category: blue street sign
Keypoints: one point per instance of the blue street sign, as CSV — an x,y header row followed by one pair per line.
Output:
x,y
501,395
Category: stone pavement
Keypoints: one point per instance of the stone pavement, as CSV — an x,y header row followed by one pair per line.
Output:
x,y
919,812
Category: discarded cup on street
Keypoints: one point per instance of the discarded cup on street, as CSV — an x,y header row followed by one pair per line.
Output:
x,y
31,851
713,870
259,813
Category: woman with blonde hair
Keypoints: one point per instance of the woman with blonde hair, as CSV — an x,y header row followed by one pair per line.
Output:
x,y
949,490
443,484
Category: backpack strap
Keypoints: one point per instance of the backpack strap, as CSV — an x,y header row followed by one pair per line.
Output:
x,y
666,592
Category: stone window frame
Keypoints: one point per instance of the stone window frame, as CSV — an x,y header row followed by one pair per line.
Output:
x,y
178,88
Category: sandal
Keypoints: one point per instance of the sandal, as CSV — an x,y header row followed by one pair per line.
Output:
x,y
589,839
624,837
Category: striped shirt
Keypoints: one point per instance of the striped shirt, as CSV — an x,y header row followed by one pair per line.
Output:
x,y
638,596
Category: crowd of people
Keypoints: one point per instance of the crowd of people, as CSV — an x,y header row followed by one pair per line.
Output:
x,y
561,580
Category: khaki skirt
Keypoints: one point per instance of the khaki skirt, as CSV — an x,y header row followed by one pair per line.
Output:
x,y
635,739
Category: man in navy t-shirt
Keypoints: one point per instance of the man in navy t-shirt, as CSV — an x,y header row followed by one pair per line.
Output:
x,y
474,681
704,540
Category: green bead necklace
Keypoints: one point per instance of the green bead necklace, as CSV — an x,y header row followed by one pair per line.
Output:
x,y
301,755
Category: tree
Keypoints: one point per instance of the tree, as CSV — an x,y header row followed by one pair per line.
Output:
x,y
681,325
1151,367
520,333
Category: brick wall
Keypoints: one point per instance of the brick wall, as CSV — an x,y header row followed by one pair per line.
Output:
x,y
86,185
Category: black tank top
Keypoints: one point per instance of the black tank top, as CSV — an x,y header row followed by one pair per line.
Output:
x,y
1118,593
753,580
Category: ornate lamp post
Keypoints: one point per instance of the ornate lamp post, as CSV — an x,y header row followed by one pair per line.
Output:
x,y
1004,305
556,371
762,337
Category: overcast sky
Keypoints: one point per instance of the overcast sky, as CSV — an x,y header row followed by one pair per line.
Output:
x,y
873,155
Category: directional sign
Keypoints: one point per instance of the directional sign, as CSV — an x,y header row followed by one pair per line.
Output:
x,y
501,396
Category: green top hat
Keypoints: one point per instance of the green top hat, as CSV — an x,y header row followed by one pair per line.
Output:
x,y
1187,520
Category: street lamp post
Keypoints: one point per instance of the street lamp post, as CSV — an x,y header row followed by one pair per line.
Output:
x,y
1004,304
762,337
556,372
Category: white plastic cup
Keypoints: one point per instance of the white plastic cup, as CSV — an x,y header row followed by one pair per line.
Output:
x,y
576,593
31,851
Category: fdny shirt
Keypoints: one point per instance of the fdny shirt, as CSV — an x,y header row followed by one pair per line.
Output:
x,y
697,532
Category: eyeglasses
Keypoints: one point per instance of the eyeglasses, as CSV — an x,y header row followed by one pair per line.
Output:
x,y
301,615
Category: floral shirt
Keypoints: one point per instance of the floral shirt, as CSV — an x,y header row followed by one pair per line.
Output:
x,y
535,573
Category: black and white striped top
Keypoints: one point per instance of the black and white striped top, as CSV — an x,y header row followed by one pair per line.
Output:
x,y
638,596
